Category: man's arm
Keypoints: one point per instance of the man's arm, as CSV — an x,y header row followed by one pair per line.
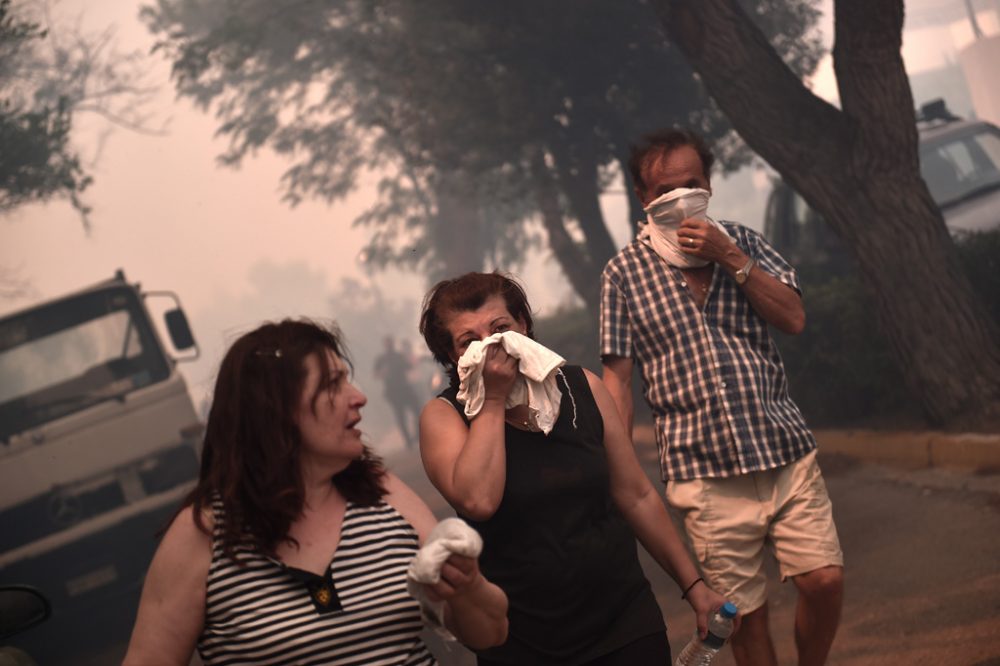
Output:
x,y
617,377
776,303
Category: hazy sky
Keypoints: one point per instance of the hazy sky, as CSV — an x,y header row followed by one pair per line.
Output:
x,y
222,239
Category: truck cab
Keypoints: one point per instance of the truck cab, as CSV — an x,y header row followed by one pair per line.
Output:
x,y
99,444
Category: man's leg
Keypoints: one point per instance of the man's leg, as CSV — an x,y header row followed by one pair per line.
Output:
x,y
413,407
752,644
725,524
806,546
817,615
399,411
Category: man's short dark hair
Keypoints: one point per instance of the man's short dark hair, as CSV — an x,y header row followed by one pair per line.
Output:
x,y
656,145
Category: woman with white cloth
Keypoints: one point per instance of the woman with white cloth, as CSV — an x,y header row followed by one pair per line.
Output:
x,y
558,511
294,546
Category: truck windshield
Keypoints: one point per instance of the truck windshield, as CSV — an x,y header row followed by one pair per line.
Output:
x,y
69,355
961,167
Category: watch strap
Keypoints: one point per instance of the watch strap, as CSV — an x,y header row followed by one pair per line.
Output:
x,y
744,273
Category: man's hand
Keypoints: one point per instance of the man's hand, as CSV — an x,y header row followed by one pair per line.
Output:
x,y
777,303
704,240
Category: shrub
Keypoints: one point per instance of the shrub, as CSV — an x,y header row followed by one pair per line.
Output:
x,y
840,371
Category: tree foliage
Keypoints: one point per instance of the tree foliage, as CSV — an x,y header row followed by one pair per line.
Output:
x,y
485,116
36,161
49,76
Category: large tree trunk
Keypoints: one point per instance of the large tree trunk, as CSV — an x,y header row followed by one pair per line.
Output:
x,y
859,168
577,180
583,274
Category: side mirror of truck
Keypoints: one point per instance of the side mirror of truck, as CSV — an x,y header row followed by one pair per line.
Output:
x,y
176,322
180,331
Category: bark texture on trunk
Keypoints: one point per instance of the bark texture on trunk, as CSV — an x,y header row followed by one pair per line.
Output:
x,y
577,180
583,274
859,167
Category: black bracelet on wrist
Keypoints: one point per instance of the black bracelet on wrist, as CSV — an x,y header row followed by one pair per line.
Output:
x,y
697,580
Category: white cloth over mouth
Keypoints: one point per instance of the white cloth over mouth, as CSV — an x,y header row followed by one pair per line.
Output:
x,y
452,536
663,218
535,385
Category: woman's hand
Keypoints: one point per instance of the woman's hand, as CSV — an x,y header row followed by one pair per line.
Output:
x,y
499,372
460,576
476,609
705,601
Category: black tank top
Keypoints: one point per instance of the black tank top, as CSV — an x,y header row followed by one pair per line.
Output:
x,y
558,545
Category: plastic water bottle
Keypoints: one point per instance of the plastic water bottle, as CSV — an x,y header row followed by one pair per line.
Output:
x,y
700,652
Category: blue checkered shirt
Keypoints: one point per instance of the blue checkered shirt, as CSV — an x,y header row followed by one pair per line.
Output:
x,y
712,376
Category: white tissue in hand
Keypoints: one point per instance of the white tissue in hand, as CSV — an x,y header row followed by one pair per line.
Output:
x,y
452,536
534,386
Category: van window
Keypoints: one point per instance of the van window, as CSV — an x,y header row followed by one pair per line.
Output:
x,y
961,167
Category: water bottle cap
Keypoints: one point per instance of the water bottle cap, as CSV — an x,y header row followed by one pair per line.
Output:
x,y
728,610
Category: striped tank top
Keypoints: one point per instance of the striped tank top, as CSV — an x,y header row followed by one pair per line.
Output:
x,y
265,612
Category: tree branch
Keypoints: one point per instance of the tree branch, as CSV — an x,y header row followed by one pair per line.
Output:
x,y
765,101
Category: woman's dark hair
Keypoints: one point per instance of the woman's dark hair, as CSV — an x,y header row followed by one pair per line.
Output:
x,y
250,456
464,293
656,145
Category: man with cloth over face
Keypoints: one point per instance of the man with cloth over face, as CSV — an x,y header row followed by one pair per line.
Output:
x,y
690,299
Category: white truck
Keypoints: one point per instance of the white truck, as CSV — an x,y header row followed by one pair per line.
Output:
x,y
99,443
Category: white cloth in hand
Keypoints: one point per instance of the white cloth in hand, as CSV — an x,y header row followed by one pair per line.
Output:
x,y
452,536
535,385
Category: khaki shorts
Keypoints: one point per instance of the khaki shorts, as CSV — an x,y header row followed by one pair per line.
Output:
x,y
727,523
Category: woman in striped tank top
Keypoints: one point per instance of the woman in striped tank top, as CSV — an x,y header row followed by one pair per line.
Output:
x,y
294,544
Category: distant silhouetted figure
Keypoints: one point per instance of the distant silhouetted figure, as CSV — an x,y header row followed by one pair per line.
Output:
x,y
393,368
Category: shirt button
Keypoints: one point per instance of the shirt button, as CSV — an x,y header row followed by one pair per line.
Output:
x,y
722,384
684,284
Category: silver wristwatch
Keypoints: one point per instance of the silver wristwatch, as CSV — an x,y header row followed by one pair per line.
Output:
x,y
741,275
